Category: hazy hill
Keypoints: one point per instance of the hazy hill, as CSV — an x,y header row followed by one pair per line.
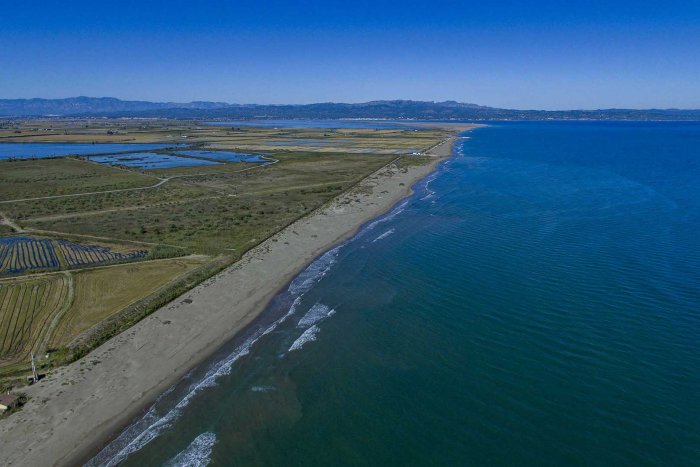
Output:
x,y
390,109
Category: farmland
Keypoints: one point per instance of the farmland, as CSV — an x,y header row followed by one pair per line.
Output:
x,y
23,254
39,314
77,255
101,293
71,221
27,307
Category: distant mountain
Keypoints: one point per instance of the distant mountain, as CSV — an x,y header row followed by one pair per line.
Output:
x,y
90,105
389,109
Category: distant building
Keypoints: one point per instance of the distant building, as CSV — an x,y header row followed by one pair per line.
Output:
x,y
7,401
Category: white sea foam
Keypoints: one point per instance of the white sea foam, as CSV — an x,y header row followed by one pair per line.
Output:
x,y
384,235
314,272
315,314
307,336
197,454
152,425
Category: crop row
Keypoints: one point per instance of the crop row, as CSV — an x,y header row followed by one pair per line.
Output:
x,y
25,309
77,255
23,254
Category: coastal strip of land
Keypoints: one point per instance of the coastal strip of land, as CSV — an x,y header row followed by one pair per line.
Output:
x,y
72,413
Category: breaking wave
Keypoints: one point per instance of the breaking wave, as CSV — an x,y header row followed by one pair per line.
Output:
x,y
384,235
308,336
151,425
314,272
315,314
197,454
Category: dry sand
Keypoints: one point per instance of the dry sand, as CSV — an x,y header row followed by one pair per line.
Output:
x,y
73,413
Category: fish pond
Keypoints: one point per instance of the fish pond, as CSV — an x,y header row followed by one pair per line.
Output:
x,y
227,156
150,160
44,150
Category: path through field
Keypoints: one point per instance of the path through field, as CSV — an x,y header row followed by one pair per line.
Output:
x,y
161,182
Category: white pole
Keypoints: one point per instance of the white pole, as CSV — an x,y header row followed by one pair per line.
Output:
x,y
36,379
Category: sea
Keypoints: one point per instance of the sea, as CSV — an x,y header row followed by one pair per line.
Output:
x,y
535,302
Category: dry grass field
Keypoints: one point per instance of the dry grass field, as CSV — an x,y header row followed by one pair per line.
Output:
x,y
27,308
101,293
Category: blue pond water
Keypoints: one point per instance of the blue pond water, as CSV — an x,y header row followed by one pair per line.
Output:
x,y
42,150
537,302
227,156
150,160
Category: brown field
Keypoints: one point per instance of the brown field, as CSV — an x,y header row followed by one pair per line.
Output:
x,y
100,293
27,308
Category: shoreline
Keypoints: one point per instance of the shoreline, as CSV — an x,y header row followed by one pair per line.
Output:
x,y
68,419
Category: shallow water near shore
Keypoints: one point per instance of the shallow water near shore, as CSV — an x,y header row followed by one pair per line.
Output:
x,y
537,301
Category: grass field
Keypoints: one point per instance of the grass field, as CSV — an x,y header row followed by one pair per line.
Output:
x,y
47,177
175,191
236,210
27,307
100,293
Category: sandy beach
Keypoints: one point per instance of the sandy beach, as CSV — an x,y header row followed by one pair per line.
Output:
x,y
74,412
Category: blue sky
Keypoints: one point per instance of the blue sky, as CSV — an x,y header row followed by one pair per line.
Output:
x,y
517,54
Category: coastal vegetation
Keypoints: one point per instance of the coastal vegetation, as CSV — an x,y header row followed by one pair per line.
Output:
x,y
69,222
32,178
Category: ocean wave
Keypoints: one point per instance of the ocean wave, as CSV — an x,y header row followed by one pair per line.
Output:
x,y
401,207
315,314
151,425
197,454
307,336
384,235
314,272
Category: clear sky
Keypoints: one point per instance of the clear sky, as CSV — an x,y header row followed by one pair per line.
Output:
x,y
518,54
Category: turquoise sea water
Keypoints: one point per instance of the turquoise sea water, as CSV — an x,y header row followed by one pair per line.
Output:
x,y
537,302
